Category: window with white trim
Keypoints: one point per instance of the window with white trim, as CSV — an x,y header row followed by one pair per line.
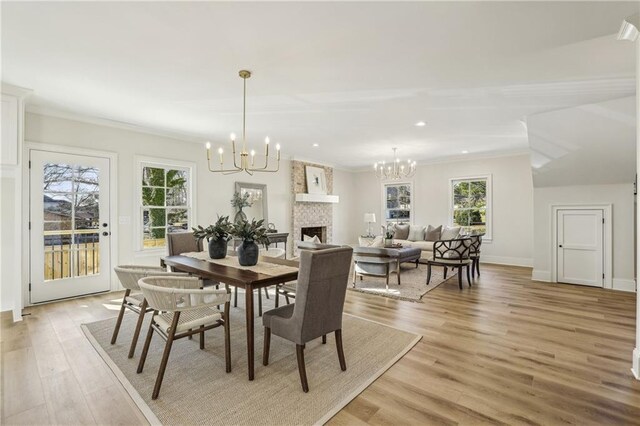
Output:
x,y
471,205
165,202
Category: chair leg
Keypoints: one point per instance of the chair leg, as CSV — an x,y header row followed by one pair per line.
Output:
x,y
190,337
286,296
227,337
445,272
165,355
277,297
120,316
478,266
259,302
324,339
343,363
136,333
235,297
417,263
266,346
468,276
147,342
266,292
428,273
460,277
473,268
301,368
202,337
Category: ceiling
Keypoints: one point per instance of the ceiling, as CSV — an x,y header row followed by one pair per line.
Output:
x,y
353,78
584,145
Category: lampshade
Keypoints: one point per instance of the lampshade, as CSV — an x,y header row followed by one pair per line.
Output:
x,y
369,217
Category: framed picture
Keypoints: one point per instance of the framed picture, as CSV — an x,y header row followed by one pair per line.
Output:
x,y
316,180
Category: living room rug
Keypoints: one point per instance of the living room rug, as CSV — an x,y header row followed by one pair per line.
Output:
x,y
413,282
196,389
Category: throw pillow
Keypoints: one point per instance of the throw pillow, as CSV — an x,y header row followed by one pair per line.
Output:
x,y
401,232
450,232
433,234
416,233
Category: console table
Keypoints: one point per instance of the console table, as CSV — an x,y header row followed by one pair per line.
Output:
x,y
278,237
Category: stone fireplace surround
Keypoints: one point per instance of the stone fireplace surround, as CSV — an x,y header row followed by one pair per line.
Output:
x,y
309,214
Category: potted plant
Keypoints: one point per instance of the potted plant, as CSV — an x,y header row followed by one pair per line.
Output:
x,y
251,233
387,231
239,202
217,235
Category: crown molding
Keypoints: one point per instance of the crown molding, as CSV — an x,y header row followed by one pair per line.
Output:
x,y
100,121
17,91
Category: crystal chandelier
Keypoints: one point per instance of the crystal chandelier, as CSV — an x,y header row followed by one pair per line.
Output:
x,y
246,162
396,170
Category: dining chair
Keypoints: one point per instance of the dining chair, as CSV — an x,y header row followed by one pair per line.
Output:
x,y
288,290
321,290
474,253
451,254
185,242
135,302
181,309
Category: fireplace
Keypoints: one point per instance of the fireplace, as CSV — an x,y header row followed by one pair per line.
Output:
x,y
314,231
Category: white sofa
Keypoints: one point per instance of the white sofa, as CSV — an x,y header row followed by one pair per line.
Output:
x,y
418,236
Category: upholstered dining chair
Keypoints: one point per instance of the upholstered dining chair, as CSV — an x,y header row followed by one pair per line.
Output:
x,y
451,254
185,242
288,290
321,290
474,253
133,299
182,308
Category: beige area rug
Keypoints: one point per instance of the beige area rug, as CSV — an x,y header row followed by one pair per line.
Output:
x,y
196,389
412,282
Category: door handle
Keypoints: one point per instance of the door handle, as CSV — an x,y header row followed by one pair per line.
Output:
x,y
106,234
560,246
104,225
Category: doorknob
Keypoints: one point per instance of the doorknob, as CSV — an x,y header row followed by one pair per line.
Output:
x,y
105,234
560,246
104,225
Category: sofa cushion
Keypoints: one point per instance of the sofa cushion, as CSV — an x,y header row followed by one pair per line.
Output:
x,y
432,234
401,232
450,232
416,233
422,245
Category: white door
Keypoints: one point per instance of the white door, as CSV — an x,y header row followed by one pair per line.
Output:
x,y
69,225
580,247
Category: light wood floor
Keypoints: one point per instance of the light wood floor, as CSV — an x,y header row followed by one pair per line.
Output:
x,y
508,351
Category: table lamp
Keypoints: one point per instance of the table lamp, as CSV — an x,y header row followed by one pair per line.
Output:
x,y
369,218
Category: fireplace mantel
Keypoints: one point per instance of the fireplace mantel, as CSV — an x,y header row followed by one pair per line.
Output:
x,y
317,198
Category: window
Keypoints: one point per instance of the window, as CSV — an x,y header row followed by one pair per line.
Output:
x,y
471,204
397,199
165,202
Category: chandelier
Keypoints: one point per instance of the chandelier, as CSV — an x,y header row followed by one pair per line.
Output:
x,y
396,170
246,162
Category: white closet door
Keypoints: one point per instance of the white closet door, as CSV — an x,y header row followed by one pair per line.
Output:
x,y
580,247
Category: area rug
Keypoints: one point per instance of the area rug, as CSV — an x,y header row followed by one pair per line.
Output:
x,y
196,389
412,282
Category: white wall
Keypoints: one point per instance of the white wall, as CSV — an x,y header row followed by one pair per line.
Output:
x,y
512,202
343,218
9,233
619,195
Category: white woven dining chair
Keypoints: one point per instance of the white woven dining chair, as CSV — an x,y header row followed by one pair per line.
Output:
x,y
180,309
129,276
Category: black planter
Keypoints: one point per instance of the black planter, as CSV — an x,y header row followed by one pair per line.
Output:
x,y
248,253
218,248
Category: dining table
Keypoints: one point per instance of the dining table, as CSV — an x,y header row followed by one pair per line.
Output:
x,y
246,278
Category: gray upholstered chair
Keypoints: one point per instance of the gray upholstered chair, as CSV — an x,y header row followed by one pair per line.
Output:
x,y
288,290
185,242
474,253
451,254
182,308
133,299
322,287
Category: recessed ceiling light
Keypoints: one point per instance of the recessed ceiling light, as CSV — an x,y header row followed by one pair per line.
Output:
x,y
315,145
421,123
465,152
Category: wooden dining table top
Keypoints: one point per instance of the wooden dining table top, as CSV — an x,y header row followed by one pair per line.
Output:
x,y
230,275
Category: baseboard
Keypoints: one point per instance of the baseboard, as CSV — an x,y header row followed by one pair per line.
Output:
x,y
624,284
511,261
636,363
538,275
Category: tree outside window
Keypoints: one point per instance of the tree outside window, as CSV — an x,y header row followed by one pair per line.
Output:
x,y
165,203
470,204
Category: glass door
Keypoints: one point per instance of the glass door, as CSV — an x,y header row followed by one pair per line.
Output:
x,y
69,225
